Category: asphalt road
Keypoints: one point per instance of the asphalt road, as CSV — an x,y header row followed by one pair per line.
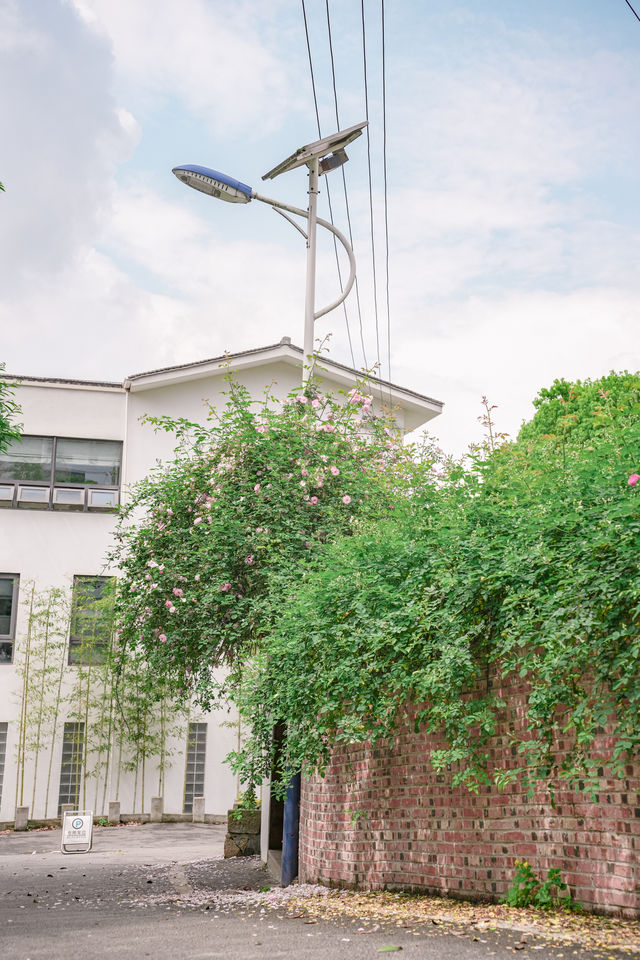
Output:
x,y
164,891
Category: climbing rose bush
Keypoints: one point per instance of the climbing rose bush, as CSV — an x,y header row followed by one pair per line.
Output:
x,y
213,546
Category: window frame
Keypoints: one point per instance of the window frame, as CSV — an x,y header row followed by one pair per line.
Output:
x,y
77,644
11,636
51,485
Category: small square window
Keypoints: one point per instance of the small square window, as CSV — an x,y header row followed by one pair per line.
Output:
x,y
102,499
68,498
34,496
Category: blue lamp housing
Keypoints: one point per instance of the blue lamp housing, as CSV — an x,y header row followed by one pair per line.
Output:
x,y
213,183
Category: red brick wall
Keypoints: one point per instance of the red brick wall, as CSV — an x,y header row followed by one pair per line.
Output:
x,y
416,831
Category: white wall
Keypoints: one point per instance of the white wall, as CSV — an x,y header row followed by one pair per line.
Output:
x,y
48,547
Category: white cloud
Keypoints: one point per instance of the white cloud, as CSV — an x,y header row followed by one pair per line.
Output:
x,y
214,56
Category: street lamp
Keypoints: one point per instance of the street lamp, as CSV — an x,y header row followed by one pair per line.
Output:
x,y
320,157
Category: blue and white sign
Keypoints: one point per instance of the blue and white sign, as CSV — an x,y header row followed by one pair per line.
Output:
x,y
77,831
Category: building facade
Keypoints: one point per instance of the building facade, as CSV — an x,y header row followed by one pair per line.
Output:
x,y
62,739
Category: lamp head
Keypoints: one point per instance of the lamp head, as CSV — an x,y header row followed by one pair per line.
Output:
x,y
213,183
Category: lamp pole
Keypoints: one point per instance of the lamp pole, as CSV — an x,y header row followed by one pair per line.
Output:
x,y
310,293
319,157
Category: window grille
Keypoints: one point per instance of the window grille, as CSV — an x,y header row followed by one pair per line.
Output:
x,y
71,766
196,755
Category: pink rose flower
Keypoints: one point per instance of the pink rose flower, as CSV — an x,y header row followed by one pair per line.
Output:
x,y
249,559
162,638
197,520
346,499
314,500
334,471
261,428
225,587
633,479
256,489
168,603
177,592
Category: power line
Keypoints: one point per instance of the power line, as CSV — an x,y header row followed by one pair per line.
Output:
x,y
344,179
632,10
335,245
371,221
386,208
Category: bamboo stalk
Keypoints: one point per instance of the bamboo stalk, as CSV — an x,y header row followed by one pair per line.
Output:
x,y
56,711
23,707
47,625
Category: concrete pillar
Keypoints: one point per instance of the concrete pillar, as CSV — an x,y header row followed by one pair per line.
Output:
x,y
198,809
114,811
157,809
22,818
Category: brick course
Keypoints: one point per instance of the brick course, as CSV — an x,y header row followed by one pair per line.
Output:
x,y
382,818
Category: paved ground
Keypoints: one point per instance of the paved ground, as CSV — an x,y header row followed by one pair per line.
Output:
x,y
164,891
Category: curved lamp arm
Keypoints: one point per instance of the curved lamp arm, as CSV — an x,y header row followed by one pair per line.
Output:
x,y
280,208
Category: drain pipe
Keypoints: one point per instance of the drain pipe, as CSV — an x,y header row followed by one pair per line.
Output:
x,y
290,831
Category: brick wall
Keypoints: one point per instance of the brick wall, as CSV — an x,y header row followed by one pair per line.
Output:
x,y
382,818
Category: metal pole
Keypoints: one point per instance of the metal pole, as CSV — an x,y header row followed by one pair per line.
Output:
x,y
290,831
310,296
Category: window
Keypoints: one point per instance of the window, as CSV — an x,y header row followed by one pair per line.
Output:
x,y
8,611
60,473
89,462
196,754
91,619
71,766
3,753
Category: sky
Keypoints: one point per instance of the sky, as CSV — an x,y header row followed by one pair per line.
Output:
x,y
513,189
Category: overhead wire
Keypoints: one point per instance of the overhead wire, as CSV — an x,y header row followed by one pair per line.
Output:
x,y
371,217
344,179
386,203
632,10
335,245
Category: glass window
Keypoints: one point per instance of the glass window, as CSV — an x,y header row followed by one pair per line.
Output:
x,y
88,462
71,766
8,609
196,756
27,460
103,498
91,619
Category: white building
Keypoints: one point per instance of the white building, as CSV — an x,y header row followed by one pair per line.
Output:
x,y
83,445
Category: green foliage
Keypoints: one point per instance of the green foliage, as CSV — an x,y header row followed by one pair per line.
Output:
x,y
529,891
521,563
579,411
212,544
9,410
342,625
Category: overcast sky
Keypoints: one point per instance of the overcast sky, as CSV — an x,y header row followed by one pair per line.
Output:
x,y
513,188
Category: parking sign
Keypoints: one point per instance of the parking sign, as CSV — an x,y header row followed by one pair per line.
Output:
x,y
77,831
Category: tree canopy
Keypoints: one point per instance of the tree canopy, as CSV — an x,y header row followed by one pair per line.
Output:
x,y
9,411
